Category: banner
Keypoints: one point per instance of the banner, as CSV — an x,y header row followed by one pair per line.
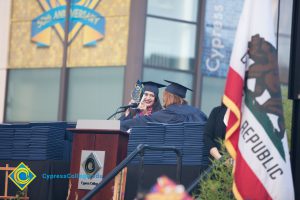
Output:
x,y
82,15
255,135
221,19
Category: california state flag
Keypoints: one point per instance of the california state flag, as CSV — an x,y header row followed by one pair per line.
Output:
x,y
255,135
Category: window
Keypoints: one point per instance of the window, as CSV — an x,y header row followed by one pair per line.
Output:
x,y
212,93
177,9
185,79
170,44
32,95
94,93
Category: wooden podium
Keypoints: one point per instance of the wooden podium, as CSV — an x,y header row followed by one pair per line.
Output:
x,y
113,142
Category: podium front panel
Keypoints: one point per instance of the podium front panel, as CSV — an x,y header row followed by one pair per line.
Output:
x,y
113,143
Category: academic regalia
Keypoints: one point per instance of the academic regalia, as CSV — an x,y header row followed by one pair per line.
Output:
x,y
177,89
132,114
175,113
151,87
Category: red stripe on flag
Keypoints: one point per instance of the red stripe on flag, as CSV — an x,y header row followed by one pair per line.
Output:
x,y
233,99
234,137
234,87
248,185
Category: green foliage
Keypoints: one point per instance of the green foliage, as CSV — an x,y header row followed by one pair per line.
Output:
x,y
218,183
287,111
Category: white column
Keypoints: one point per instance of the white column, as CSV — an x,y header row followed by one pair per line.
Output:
x,y
5,11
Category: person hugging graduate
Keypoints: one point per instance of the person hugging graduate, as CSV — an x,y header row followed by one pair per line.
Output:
x,y
176,109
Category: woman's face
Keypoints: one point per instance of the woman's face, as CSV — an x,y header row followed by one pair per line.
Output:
x,y
149,98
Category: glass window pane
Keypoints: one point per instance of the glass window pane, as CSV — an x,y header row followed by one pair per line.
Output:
x,y
212,93
284,40
32,95
170,44
284,58
177,9
159,75
94,93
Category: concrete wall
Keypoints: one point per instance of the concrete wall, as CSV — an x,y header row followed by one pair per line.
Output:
x,y
5,12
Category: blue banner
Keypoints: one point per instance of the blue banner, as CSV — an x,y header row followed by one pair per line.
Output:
x,y
221,20
81,15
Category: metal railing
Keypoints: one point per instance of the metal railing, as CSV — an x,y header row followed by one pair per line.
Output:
x,y
201,177
139,150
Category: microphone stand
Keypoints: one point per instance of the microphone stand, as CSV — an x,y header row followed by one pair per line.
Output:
x,y
124,108
117,112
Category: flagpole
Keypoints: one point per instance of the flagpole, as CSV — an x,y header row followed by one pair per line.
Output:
x,y
295,149
278,17
294,92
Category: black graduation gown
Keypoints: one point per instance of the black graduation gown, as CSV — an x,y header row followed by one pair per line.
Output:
x,y
135,112
172,114
131,115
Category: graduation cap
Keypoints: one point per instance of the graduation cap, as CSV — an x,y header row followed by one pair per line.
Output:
x,y
177,89
152,86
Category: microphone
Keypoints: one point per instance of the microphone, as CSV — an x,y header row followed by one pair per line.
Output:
x,y
133,105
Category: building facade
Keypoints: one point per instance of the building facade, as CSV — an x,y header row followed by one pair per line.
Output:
x,y
87,69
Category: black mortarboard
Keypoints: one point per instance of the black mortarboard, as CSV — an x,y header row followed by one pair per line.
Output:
x,y
152,86
177,89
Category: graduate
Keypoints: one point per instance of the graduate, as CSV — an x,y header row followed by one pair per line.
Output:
x,y
175,109
149,103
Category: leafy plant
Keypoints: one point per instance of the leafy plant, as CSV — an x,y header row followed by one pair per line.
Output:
x,y
287,112
218,182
